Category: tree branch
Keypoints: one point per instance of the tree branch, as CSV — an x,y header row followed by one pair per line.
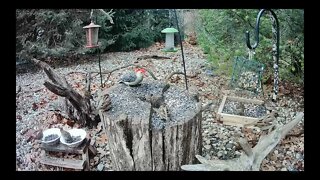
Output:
x,y
125,66
108,14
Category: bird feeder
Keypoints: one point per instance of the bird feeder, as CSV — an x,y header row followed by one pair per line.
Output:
x,y
169,39
92,31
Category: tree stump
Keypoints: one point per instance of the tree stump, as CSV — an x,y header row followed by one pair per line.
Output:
x,y
152,130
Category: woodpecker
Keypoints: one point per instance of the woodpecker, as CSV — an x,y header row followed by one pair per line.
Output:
x,y
133,79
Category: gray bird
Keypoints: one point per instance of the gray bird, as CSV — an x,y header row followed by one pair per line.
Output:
x,y
133,79
240,109
66,135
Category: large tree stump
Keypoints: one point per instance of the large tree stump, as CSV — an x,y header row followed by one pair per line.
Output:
x,y
149,130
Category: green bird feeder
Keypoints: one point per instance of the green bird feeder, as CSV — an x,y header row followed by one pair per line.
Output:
x,y
169,39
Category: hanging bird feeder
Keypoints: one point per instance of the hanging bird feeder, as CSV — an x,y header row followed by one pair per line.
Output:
x,y
169,39
92,31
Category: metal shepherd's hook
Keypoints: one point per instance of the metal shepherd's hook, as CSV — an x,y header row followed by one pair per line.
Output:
x,y
275,48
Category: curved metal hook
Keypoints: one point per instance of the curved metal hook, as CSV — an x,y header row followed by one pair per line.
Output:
x,y
257,31
276,54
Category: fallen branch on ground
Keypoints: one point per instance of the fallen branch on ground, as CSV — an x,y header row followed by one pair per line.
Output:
x,y
252,158
152,57
125,66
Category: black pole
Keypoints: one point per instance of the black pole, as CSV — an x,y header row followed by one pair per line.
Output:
x,y
184,64
277,51
101,84
99,55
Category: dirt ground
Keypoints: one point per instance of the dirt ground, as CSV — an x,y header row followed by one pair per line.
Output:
x,y
38,109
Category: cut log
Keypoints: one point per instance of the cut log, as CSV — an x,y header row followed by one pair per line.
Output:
x,y
149,130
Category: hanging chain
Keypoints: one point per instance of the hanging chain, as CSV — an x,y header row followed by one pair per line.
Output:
x,y
251,53
91,15
274,56
99,52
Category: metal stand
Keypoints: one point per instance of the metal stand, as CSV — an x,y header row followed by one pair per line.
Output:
x,y
275,49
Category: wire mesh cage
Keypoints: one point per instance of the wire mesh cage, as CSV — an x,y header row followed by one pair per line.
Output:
x,y
247,74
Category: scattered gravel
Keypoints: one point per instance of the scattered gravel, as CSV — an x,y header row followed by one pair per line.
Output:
x,y
35,110
249,110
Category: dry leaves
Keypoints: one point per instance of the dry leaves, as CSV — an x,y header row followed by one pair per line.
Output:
x,y
102,140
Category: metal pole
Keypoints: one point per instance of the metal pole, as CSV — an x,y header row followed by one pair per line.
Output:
x,y
101,84
184,64
99,54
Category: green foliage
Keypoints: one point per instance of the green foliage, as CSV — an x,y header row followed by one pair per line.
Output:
x,y
138,28
46,32
221,33
43,33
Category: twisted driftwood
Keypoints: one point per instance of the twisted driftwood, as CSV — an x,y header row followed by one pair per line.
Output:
x,y
252,158
78,107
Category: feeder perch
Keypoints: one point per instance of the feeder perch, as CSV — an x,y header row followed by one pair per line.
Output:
x,y
92,31
169,39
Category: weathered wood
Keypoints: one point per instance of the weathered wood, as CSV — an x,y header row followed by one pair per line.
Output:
x,y
252,158
92,148
245,100
86,159
64,148
221,106
236,120
78,107
66,163
136,143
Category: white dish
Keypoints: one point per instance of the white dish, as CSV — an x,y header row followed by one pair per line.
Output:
x,y
75,132
50,132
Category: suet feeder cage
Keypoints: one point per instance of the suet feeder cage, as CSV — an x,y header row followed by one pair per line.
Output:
x,y
92,31
169,39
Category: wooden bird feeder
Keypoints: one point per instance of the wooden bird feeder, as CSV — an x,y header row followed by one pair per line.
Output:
x,y
236,120
92,31
169,39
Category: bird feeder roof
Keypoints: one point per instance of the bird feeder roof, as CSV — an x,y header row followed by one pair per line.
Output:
x,y
92,25
169,30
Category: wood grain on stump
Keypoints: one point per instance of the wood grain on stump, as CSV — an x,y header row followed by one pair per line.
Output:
x,y
150,132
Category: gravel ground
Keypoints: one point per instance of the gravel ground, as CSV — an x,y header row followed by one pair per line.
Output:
x,y
35,107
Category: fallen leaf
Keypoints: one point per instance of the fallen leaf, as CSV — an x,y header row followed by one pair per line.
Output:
x,y
209,96
101,141
70,122
30,134
18,117
34,106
